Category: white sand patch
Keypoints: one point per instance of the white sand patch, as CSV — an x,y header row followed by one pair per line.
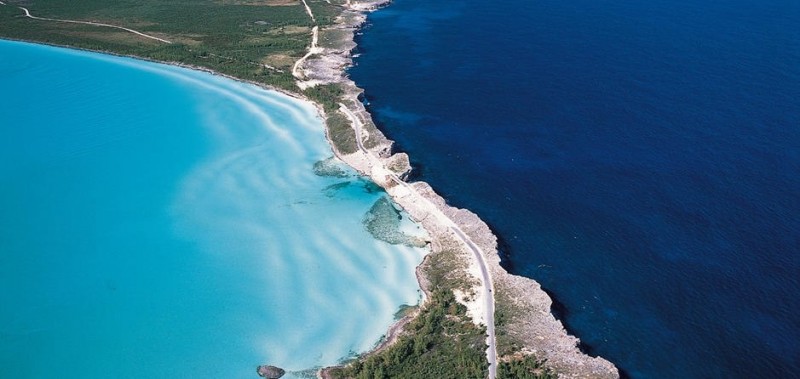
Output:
x,y
308,84
399,192
381,175
474,309
411,228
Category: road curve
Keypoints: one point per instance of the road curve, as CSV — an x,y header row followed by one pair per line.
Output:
x,y
29,15
477,252
311,51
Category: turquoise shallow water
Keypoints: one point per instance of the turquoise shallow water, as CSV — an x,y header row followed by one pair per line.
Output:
x,y
160,222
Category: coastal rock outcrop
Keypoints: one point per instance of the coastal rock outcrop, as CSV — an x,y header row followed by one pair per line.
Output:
x,y
400,165
531,325
270,372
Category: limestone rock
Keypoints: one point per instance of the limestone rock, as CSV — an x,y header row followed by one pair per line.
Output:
x,y
270,372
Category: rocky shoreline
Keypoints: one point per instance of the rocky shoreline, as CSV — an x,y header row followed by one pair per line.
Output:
x,y
530,328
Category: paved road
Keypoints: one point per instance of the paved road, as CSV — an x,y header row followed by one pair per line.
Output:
x,y
491,352
356,126
477,252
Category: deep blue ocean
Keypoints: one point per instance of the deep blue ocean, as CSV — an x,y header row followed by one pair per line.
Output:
x,y
640,159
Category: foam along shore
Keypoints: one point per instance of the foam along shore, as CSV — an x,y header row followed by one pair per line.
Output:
x,y
531,322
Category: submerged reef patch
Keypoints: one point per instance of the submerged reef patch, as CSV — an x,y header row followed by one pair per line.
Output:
x,y
331,167
383,222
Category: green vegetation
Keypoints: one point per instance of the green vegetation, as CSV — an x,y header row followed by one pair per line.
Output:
x,y
328,95
341,134
442,343
241,38
524,368
446,269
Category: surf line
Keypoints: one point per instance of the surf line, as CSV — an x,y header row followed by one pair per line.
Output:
x,y
29,15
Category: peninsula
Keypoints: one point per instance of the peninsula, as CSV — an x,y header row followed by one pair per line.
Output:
x,y
476,320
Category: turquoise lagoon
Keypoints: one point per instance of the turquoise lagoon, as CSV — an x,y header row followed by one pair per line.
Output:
x,y
159,222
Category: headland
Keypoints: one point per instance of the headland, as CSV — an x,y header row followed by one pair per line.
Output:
x,y
487,290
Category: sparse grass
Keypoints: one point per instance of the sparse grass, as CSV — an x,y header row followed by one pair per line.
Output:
x,y
513,364
375,137
504,314
446,270
527,367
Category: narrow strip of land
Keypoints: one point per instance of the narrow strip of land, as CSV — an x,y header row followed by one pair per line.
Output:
x,y
477,252
29,15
